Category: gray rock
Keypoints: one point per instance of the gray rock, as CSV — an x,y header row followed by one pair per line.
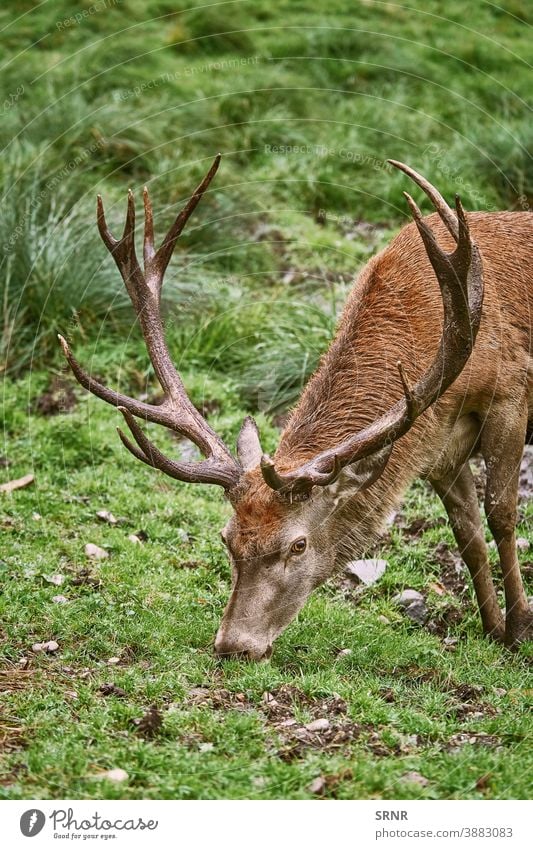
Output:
x,y
417,612
406,597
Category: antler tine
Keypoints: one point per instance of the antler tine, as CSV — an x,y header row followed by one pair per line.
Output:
x,y
162,257
205,471
446,214
410,402
148,247
460,278
176,411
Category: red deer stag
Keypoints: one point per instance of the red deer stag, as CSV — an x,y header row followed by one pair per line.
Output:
x,y
402,393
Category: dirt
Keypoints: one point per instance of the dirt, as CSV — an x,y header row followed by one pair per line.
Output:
x,y
471,738
451,569
85,578
58,398
325,727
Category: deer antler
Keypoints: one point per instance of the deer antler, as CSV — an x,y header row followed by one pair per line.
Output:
x,y
176,410
461,283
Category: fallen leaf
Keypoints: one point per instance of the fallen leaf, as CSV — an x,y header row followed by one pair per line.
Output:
x,y
112,690
437,588
483,781
19,483
113,660
36,517
95,552
318,725
50,646
206,747
367,571
150,723
106,516
60,599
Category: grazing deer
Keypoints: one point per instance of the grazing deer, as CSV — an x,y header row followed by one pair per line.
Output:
x,y
390,402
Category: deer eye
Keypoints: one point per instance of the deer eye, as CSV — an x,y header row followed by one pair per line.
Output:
x,y
298,546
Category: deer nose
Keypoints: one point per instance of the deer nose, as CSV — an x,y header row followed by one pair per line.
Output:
x,y
228,648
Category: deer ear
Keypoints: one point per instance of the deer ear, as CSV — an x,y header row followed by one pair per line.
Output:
x,y
360,475
249,449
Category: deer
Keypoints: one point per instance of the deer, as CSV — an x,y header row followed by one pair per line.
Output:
x,y
431,365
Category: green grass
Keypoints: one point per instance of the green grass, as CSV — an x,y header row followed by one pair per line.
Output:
x,y
157,606
305,103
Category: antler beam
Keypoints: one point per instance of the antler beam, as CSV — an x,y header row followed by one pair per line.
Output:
x,y
460,278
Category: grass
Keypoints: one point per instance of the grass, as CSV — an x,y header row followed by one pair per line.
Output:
x,y
156,607
306,103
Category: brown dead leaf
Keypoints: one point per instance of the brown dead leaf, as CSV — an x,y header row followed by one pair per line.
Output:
x,y
150,724
111,689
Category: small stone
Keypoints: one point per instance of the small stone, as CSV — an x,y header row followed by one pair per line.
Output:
x,y
318,725
206,747
450,642
57,580
182,535
522,544
59,599
106,516
417,612
344,652
500,691
415,778
269,699
50,647
117,775
367,571
384,620
317,786
36,517
113,660
287,723
135,539
406,597
95,552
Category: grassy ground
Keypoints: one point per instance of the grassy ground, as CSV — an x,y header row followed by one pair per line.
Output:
x,y
458,715
305,103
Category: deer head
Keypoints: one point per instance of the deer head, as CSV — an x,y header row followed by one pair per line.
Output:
x,y
281,539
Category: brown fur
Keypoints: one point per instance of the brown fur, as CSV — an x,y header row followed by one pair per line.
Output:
x,y
395,313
